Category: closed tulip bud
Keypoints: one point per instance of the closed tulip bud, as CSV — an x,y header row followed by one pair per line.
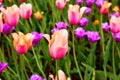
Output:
x,y
61,4
105,27
22,42
105,7
115,24
99,3
61,25
25,10
11,15
79,2
58,45
10,1
83,22
1,1
116,36
88,11
3,66
75,14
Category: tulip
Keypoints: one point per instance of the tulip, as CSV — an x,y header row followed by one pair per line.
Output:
x,y
99,3
22,0
79,2
89,3
1,23
105,27
115,24
83,22
79,32
75,14
38,15
36,38
25,10
61,25
54,29
92,36
58,45
1,1
105,7
36,77
61,4
88,11
22,42
11,15
3,66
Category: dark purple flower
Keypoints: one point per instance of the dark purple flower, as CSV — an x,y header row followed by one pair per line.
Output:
x,y
89,3
36,77
92,36
61,25
83,22
116,14
7,29
36,38
88,11
3,66
79,2
53,30
116,36
79,32
99,3
105,27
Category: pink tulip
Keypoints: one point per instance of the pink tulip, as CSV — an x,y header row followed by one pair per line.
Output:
x,y
11,15
1,1
22,0
105,7
22,42
61,4
58,45
115,24
75,14
1,23
25,10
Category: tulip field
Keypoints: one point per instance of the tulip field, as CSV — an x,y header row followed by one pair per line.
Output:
x,y
59,39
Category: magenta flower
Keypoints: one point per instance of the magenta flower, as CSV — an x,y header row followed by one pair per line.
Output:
x,y
79,32
105,27
61,25
3,66
116,36
36,77
7,29
92,36
36,38
88,11
54,29
83,22
89,3
79,2
116,14
99,3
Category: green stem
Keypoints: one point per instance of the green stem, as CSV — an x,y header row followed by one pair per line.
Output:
x,y
56,68
102,45
113,61
75,54
40,68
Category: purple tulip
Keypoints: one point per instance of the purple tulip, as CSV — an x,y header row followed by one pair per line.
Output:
x,y
79,32
36,77
36,38
105,27
116,14
7,29
83,22
99,3
89,3
92,36
79,2
116,36
53,30
88,11
61,25
3,66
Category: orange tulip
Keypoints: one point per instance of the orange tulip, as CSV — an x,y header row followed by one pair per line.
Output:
x,y
105,7
25,10
38,15
22,42
58,45
75,14
11,15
